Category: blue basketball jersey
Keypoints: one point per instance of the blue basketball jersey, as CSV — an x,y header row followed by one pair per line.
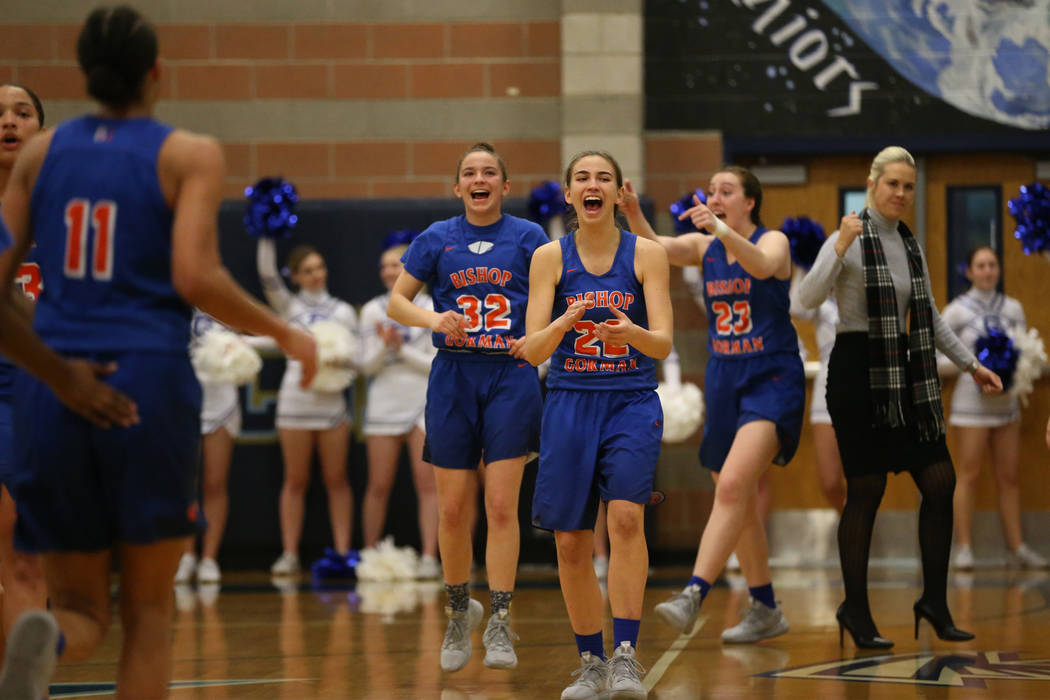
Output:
x,y
746,316
581,361
30,283
103,234
481,272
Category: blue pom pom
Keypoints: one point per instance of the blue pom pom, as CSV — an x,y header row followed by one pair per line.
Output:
x,y
271,208
545,201
997,352
681,206
806,236
1031,210
403,236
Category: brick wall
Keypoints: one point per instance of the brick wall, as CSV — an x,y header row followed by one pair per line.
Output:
x,y
450,83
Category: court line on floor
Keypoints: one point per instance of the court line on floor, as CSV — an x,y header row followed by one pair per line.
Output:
x,y
664,662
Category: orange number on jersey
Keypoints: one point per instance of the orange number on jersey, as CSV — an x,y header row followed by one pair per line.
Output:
x,y
588,344
102,217
724,317
498,309
30,280
495,318
470,306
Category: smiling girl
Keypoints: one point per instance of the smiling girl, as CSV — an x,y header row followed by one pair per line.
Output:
x,y
483,402
309,420
599,303
754,388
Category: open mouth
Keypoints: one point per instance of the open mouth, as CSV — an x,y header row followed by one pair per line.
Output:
x,y
10,142
592,205
480,195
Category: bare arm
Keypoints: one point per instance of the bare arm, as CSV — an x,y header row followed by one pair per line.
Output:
x,y
687,249
653,272
542,335
770,257
404,311
196,164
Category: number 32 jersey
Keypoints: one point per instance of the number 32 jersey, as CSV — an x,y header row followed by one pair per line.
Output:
x,y
746,316
103,236
481,272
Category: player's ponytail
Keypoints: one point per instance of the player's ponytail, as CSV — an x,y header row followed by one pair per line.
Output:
x,y
117,46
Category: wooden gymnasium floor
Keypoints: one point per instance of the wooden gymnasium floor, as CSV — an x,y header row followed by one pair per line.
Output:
x,y
251,640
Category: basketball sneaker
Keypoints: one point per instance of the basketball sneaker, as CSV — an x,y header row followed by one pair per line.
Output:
x,y
681,610
625,673
592,679
759,622
456,648
499,647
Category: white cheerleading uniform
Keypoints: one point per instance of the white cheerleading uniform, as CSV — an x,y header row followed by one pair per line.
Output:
x,y
826,320
300,408
220,407
969,315
397,388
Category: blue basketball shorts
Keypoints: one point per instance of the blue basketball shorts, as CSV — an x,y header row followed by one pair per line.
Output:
x,y
594,445
481,407
80,488
737,391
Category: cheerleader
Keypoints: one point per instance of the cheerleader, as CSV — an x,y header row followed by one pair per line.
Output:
x,y
397,361
980,421
306,419
220,426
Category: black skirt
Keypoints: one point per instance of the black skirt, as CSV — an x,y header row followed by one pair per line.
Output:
x,y
866,449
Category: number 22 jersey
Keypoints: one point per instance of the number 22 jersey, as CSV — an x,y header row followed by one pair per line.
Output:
x,y
103,240
481,272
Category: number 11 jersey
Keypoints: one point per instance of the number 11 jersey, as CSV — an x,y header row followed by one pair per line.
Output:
x,y
104,241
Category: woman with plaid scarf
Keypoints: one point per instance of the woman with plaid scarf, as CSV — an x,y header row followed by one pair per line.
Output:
x,y
883,392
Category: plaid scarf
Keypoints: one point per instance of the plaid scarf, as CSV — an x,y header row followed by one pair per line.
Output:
x,y
886,371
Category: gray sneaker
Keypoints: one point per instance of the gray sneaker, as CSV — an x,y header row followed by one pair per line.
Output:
x,y
456,649
681,610
759,622
592,679
499,649
30,657
625,675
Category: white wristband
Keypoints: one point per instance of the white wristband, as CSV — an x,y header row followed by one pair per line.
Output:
x,y
720,228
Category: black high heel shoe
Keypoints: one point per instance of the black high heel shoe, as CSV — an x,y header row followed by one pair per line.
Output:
x,y
945,628
863,642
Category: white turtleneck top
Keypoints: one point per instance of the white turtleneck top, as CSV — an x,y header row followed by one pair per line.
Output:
x,y
846,276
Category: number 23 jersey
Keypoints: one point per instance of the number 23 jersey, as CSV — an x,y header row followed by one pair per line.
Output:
x,y
746,316
481,272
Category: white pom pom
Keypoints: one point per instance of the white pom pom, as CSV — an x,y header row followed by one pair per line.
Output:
x,y
387,563
222,357
1029,364
683,410
335,347
386,599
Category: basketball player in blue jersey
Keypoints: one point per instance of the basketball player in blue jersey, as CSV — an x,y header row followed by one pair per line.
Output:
x,y
599,302
754,387
123,210
483,401
21,574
